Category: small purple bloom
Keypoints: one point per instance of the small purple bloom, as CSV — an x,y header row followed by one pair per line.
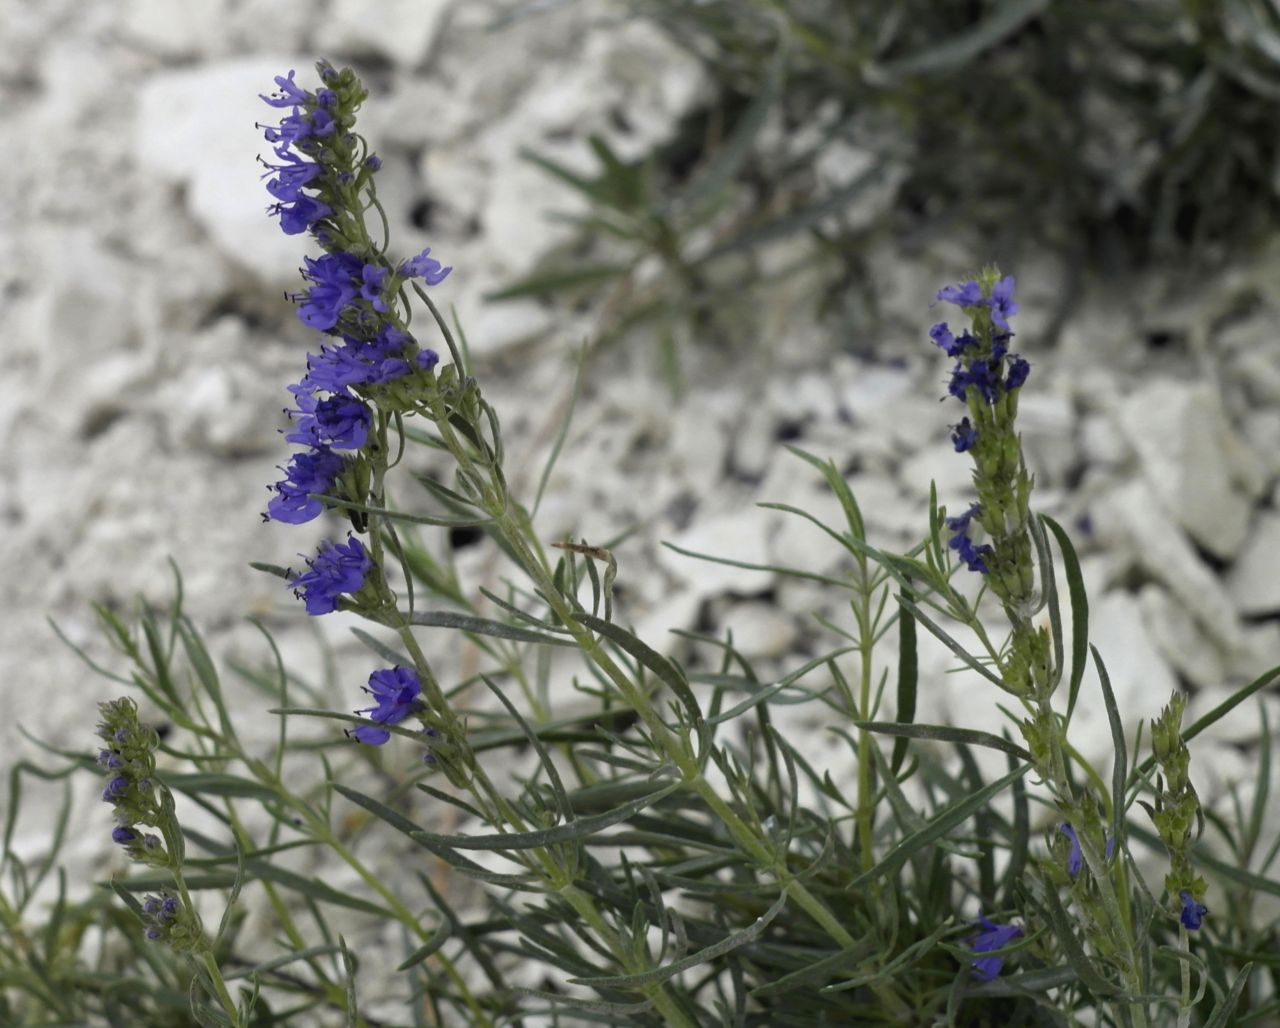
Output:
x,y
372,279
291,176
427,359
290,94
396,690
960,523
1019,369
426,268
991,936
1192,910
297,217
334,281
963,436
1075,857
373,162
116,789
974,557
314,471
967,294
949,344
340,422
123,835
1002,306
336,568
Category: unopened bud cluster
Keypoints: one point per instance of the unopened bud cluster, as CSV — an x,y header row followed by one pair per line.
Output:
x,y
1176,812
128,758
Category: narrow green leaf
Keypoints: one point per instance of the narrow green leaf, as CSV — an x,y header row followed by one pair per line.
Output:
x,y
908,673
211,783
570,831
438,938
1064,931
770,691
648,657
733,155
434,520
936,828
1220,1018
387,653
1262,791
575,391
451,856
777,569
962,47
618,1013
284,961
1120,757
703,956
483,626
946,733
1079,610
555,280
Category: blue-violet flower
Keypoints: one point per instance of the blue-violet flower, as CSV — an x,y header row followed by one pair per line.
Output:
x,y
992,936
396,690
336,568
1192,910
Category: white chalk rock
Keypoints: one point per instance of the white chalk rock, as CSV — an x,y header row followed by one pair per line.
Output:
x,y
1132,519
1253,582
172,30
196,129
403,31
1140,677
759,629
1180,639
1193,459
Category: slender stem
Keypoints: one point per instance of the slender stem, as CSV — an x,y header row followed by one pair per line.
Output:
x,y
1184,1008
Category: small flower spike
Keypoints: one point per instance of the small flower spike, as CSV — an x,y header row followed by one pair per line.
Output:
x,y
991,936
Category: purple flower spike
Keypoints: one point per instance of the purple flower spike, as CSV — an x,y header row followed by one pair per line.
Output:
x,y
1002,306
1075,858
396,689
991,936
1192,911
336,569
967,294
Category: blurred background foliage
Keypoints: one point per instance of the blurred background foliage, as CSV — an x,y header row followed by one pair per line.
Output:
x,y
1112,133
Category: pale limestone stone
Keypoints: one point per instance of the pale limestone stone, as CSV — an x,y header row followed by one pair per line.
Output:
x,y
759,629
1196,464
1254,579
1181,641
1131,517
173,30
403,31
210,151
